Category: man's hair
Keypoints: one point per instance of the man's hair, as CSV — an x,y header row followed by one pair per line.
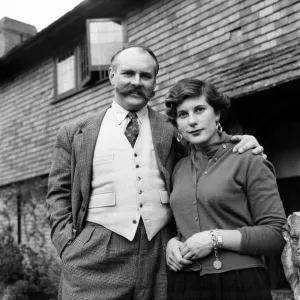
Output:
x,y
190,88
115,56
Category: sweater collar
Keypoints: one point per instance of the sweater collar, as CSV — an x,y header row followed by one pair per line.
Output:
x,y
211,149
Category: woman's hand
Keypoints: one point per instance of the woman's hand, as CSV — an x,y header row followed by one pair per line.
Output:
x,y
197,246
247,142
174,258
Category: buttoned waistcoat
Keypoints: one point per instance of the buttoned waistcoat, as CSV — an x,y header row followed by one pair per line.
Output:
x,y
70,176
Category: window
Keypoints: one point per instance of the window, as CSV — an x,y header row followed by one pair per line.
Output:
x,y
105,39
66,72
87,61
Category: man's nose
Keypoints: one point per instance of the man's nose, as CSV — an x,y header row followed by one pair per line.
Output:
x,y
136,80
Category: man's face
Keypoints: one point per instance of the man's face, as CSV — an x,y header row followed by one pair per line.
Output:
x,y
133,78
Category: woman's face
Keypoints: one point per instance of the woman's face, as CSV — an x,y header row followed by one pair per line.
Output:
x,y
196,120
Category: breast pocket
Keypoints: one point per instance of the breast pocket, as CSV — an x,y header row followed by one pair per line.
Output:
x,y
102,200
103,158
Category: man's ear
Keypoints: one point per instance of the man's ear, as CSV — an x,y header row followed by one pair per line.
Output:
x,y
111,74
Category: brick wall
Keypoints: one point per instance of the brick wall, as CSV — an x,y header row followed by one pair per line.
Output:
x,y
29,121
191,39
197,38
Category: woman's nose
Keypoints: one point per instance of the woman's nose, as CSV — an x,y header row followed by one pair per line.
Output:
x,y
192,120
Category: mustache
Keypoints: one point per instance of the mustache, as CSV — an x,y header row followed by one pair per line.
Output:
x,y
130,89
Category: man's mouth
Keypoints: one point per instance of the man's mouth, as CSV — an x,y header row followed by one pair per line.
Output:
x,y
137,94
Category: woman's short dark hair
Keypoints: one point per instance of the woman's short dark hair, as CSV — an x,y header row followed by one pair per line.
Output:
x,y
190,88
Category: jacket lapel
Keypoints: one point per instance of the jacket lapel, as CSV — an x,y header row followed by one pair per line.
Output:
x,y
162,135
84,146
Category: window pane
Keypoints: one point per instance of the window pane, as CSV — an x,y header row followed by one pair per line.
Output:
x,y
106,38
66,72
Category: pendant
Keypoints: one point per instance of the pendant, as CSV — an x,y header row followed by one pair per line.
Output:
x,y
217,264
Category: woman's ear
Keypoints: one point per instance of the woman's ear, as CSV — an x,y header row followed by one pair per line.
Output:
x,y
218,116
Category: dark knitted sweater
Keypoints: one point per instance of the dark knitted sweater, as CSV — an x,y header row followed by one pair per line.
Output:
x,y
228,190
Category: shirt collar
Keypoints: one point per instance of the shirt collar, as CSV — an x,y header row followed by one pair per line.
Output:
x,y
121,113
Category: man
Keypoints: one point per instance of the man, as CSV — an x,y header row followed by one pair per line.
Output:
x,y
109,189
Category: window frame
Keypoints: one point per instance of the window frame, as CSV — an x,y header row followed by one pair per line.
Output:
x,y
73,45
76,45
124,33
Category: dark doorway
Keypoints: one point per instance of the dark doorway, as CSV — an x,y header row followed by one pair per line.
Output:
x,y
272,116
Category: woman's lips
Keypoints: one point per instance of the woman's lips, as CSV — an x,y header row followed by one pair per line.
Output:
x,y
195,132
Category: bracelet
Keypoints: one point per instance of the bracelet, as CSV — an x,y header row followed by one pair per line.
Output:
x,y
219,239
217,243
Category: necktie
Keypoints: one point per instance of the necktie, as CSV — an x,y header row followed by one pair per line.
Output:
x,y
132,129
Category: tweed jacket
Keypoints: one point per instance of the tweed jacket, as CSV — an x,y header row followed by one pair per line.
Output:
x,y
69,184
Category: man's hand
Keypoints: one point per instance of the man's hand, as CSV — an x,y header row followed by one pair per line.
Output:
x,y
197,246
174,258
247,142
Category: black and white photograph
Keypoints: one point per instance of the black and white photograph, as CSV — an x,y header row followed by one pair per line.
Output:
x,y
149,150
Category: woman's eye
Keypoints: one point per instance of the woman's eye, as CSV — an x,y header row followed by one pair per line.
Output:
x,y
199,109
181,115
295,239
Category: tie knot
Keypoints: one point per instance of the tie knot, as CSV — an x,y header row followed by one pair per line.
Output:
x,y
132,115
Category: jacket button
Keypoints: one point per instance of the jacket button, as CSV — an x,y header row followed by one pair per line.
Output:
x,y
141,205
137,166
134,221
140,192
135,155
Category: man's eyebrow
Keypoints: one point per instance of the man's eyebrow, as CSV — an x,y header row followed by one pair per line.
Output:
x,y
146,73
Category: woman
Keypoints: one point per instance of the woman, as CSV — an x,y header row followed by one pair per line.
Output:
x,y
226,206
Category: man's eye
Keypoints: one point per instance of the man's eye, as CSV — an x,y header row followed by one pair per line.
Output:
x,y
295,239
146,76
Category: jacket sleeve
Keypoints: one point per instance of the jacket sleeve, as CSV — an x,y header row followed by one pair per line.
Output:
x,y
59,212
264,237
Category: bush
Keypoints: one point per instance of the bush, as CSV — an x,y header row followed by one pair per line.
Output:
x,y
24,273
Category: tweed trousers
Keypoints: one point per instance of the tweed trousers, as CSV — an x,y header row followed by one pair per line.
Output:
x,y
102,265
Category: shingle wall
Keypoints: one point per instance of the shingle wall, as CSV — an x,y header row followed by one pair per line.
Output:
x,y
201,38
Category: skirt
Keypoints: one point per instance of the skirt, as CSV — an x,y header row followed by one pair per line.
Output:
x,y
245,284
